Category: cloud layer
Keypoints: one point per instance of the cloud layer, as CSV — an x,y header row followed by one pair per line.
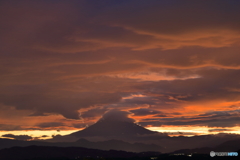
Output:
x,y
63,64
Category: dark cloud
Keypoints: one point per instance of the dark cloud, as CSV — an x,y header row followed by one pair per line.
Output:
x,y
79,125
117,115
71,27
227,122
154,123
93,113
153,102
44,136
9,127
64,103
213,84
66,57
210,119
170,11
221,113
160,115
219,130
37,114
18,137
50,124
144,111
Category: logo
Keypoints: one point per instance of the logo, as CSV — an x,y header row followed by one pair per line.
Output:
x,y
212,153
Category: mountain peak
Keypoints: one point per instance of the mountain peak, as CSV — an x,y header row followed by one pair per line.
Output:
x,y
113,123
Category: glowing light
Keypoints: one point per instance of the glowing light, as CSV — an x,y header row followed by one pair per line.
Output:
x,y
38,133
194,130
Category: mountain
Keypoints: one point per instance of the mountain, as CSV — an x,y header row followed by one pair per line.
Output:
x,y
115,134
125,130
47,152
118,132
102,145
108,128
119,145
228,146
7,143
105,128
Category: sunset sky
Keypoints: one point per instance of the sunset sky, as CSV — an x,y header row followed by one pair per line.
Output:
x,y
173,65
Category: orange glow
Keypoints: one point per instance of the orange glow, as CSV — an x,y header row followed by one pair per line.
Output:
x,y
152,76
193,130
38,133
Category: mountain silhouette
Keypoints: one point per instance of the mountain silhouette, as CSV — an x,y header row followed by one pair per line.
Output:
x,y
102,145
118,145
113,125
116,128
113,131
66,153
228,146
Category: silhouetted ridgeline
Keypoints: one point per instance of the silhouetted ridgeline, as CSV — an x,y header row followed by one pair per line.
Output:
x,y
78,153
47,152
103,145
228,146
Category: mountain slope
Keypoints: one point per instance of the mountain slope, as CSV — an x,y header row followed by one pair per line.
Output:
x,y
113,125
119,145
103,145
112,128
228,146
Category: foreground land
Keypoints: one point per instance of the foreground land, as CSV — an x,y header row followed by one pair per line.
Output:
x,y
79,153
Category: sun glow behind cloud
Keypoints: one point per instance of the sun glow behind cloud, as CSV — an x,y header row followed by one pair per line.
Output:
x,y
194,130
37,134
170,130
152,76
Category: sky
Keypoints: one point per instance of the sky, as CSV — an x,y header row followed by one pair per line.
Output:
x,y
172,66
